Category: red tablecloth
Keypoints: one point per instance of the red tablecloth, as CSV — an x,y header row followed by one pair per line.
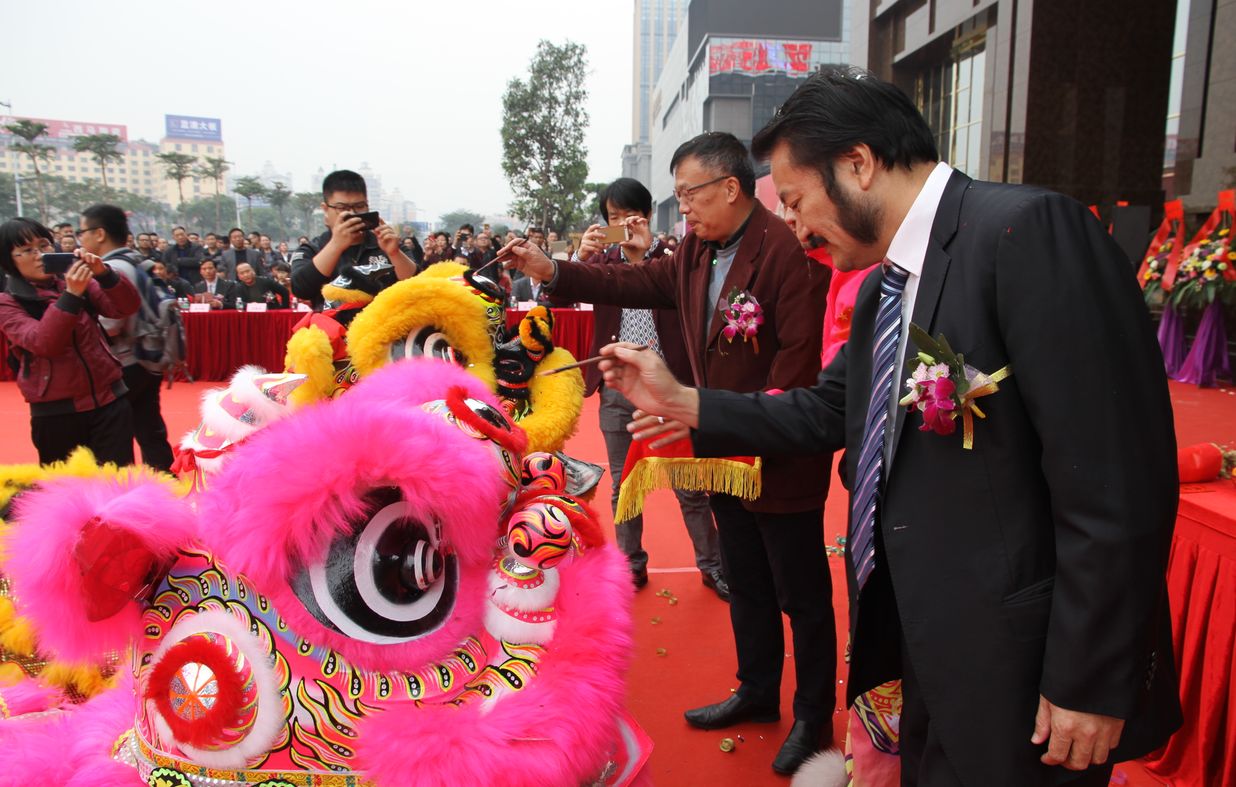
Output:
x,y
220,342
1202,585
572,329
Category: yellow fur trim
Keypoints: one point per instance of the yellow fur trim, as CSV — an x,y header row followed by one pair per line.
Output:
x,y
309,353
442,270
422,301
11,675
723,476
18,638
556,400
332,293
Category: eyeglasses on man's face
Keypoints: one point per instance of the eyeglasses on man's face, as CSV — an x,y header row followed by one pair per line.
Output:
x,y
687,194
84,230
351,207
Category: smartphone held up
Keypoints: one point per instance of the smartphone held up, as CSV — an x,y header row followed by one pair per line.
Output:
x,y
58,263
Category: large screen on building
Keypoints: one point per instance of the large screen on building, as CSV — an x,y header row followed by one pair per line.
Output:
x,y
818,19
187,127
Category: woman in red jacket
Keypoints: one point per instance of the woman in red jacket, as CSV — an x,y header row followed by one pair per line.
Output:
x,y
60,355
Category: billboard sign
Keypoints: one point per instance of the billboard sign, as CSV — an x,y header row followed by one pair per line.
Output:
x,y
195,128
66,130
753,56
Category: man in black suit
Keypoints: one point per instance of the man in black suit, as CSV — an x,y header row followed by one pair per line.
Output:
x,y
260,289
1017,588
229,261
214,289
527,289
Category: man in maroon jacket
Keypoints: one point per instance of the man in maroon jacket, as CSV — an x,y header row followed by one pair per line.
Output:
x,y
626,202
772,548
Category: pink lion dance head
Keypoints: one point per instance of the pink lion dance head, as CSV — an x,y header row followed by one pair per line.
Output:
x,y
368,593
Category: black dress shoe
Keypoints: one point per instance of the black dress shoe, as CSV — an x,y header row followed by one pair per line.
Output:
x,y
639,577
804,740
731,712
716,580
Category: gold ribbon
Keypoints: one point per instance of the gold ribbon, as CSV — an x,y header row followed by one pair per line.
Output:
x,y
984,384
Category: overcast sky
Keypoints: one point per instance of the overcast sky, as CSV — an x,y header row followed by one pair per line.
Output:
x,y
413,88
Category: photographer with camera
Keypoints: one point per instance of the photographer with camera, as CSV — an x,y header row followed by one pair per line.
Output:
x,y
65,369
356,241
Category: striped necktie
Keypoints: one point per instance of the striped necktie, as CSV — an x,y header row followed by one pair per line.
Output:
x,y
860,545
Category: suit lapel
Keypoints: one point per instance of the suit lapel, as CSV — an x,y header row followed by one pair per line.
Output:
x,y
931,283
695,324
742,269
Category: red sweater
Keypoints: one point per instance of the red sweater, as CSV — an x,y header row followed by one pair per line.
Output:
x,y
66,364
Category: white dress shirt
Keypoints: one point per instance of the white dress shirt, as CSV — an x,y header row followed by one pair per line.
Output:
x,y
907,251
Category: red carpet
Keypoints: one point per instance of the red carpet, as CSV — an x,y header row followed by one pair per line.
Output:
x,y
685,652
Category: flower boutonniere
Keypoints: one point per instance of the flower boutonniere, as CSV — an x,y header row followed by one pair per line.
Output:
x,y
944,385
743,317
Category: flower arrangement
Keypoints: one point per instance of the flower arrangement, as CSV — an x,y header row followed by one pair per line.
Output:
x,y
944,386
743,317
1206,274
1152,272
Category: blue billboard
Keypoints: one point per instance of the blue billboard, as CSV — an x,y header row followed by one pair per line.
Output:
x,y
186,127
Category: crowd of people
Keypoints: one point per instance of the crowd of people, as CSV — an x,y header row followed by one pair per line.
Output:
x,y
1027,571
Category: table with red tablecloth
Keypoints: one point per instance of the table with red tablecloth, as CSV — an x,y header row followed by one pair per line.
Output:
x,y
1202,585
220,342
572,329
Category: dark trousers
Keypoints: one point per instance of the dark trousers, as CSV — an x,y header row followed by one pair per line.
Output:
x,y
107,431
148,426
776,563
924,763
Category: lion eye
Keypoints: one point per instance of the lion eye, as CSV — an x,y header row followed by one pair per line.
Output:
x,y
427,342
390,579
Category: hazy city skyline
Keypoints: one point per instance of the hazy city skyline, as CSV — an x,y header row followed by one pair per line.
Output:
x,y
414,90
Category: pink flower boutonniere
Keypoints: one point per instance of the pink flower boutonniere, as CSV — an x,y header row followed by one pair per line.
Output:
x,y
743,317
943,386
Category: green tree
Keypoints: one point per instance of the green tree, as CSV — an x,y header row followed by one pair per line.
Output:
x,y
201,212
215,168
543,126
306,202
249,187
279,196
102,148
31,130
456,218
66,199
178,167
8,197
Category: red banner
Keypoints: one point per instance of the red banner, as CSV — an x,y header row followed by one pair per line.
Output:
x,y
760,57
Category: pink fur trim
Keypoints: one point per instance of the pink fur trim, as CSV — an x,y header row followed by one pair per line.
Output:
x,y
30,696
73,747
46,582
559,730
823,769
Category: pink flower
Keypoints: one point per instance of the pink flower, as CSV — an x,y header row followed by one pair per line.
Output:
x,y
943,391
729,331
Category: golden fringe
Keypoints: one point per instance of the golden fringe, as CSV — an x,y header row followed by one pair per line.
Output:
x,y
424,300
722,476
556,401
309,353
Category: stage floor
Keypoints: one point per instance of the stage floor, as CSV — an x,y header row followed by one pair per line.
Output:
x,y
684,652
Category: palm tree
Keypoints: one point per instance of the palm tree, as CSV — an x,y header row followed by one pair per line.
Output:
x,y
102,148
249,187
306,202
179,167
30,130
214,168
279,196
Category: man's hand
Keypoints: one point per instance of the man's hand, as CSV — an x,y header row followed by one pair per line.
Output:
x,y
527,258
642,377
347,232
388,239
639,239
662,431
1077,740
591,242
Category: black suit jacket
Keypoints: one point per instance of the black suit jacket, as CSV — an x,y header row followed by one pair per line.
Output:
x,y
522,291
1035,562
224,289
